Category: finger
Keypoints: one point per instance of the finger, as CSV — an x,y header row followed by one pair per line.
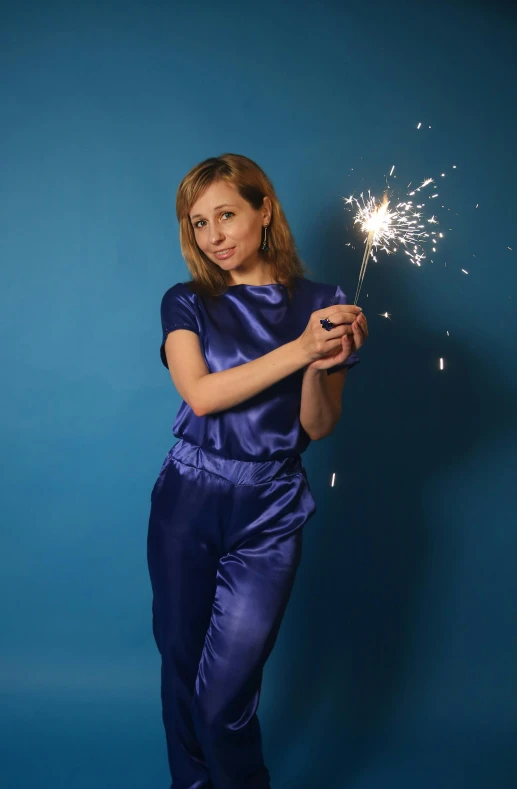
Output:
x,y
363,323
358,335
349,345
353,307
341,318
341,309
337,331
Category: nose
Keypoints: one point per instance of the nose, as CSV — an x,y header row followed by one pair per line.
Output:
x,y
215,235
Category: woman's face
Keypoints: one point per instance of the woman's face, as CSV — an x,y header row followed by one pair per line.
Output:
x,y
226,227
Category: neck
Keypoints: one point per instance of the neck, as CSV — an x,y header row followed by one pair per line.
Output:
x,y
260,277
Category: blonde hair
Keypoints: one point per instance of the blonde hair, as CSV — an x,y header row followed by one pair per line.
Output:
x,y
253,185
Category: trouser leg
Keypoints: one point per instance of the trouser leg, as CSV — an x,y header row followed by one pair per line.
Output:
x,y
254,581
183,550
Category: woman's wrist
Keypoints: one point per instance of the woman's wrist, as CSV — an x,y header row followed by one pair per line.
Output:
x,y
302,355
314,371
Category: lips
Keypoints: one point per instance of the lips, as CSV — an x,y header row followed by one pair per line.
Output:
x,y
224,253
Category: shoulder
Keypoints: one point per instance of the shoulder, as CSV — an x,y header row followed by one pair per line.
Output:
x,y
180,288
323,292
181,291
179,307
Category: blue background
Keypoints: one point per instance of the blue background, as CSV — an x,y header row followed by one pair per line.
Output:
x,y
396,662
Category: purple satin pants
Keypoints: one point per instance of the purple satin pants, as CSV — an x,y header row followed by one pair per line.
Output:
x,y
223,547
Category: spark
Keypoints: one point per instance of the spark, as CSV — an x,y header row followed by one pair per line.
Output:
x,y
419,125
433,220
511,250
448,335
422,185
453,166
388,229
441,364
333,479
391,172
443,175
465,272
384,315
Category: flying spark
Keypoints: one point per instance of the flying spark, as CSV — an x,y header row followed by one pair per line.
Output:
x,y
422,186
391,172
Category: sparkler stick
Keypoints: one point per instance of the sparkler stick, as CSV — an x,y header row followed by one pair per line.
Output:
x,y
372,225
366,256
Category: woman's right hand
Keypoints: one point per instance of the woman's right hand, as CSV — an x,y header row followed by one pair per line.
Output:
x,y
316,342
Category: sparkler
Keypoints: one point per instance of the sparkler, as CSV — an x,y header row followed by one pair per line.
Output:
x,y
387,229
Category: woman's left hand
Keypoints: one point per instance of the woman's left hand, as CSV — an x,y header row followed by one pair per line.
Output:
x,y
350,343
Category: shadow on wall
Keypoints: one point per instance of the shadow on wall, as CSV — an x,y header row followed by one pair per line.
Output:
x,y
370,548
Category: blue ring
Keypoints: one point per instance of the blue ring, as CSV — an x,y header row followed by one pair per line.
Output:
x,y
327,324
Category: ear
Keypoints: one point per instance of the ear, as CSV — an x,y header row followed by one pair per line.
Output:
x,y
267,209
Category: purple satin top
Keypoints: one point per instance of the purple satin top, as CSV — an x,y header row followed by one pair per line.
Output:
x,y
244,323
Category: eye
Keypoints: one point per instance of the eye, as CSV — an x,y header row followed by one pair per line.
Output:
x,y
198,223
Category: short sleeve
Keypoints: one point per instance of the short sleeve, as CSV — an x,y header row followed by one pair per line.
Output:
x,y
353,359
177,312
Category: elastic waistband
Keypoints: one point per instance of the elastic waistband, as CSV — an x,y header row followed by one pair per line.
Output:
x,y
238,472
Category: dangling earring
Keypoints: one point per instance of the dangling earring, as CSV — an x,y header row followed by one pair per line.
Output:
x,y
264,245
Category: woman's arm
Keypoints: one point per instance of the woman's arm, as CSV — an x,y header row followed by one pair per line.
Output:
x,y
320,409
208,393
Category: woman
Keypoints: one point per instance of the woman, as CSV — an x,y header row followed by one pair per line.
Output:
x,y
250,344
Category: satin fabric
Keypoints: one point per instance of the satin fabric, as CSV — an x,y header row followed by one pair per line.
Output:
x,y
224,544
242,324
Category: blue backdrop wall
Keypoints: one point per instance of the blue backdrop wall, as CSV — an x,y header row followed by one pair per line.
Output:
x,y
396,662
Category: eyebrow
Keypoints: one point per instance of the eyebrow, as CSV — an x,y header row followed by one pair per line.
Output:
x,y
215,209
